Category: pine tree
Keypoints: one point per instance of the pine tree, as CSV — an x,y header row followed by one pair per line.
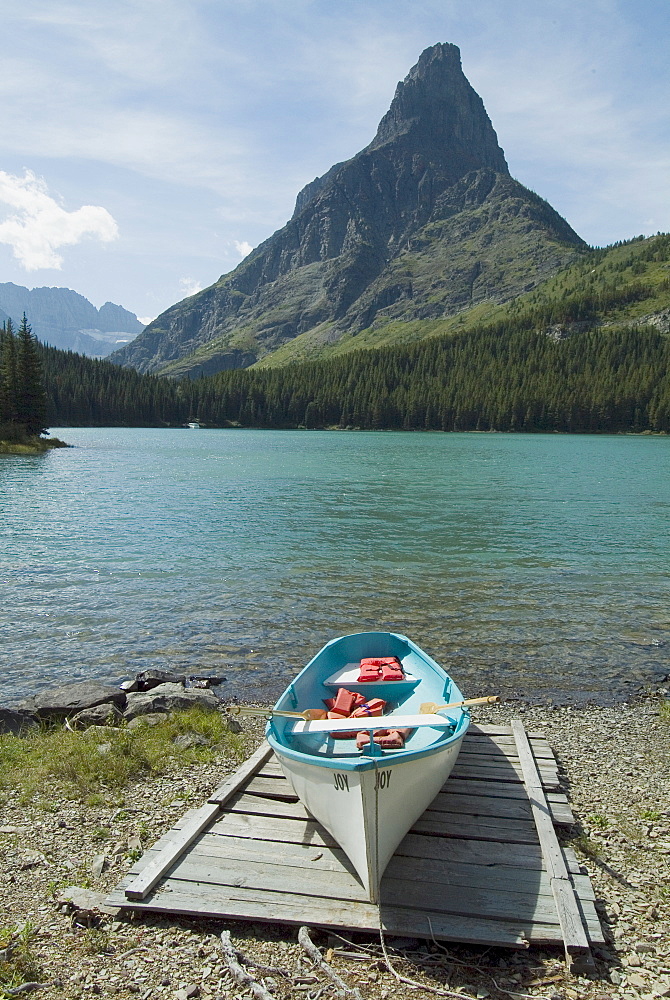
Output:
x,y
7,376
31,397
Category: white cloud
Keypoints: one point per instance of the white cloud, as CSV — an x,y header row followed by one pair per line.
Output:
x,y
39,226
145,320
243,248
189,286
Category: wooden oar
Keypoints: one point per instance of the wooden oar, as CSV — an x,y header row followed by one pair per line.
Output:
x,y
315,714
429,707
308,715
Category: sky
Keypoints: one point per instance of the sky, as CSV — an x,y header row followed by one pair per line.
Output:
x,y
146,146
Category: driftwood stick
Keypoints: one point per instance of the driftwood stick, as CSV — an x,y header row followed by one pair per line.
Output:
x,y
25,988
310,948
267,970
241,977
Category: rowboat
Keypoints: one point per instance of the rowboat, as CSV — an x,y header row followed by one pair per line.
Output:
x,y
368,798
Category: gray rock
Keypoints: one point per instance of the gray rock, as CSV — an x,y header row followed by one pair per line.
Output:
x,y
152,719
198,680
98,715
148,679
187,740
98,865
78,899
15,722
68,699
168,698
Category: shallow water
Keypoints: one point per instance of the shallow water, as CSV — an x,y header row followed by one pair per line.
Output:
x,y
535,565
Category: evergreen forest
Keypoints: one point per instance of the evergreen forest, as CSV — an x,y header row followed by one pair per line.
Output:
x,y
586,352
490,379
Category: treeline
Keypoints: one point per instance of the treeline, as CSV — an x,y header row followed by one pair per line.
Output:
x,y
497,378
494,379
23,399
85,392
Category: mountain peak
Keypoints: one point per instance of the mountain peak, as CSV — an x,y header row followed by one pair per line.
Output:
x,y
438,114
423,223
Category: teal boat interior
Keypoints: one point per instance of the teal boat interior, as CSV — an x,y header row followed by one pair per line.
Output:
x,y
336,665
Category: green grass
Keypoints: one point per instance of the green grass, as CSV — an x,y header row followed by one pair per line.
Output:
x,y
17,962
584,845
87,764
30,446
664,710
650,814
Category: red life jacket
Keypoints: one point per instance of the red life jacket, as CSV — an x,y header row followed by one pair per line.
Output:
x,y
386,668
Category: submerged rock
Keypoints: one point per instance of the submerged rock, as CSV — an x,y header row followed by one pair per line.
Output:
x,y
149,679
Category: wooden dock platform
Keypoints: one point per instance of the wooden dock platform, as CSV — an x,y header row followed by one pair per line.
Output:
x,y
481,866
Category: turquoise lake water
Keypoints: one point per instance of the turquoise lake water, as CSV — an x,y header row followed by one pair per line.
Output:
x,y
529,565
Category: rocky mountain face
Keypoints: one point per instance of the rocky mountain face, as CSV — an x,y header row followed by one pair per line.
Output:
x,y
65,319
425,222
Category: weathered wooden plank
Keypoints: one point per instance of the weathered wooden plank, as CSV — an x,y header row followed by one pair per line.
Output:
x,y
572,928
479,805
500,729
433,821
237,780
499,830
481,753
506,772
541,746
300,831
258,806
439,870
203,900
561,813
441,897
483,789
309,833
199,821
481,861
273,788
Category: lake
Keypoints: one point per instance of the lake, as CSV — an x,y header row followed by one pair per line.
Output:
x,y
535,566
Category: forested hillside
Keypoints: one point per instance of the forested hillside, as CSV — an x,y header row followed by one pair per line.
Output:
x,y
620,285
499,378
588,351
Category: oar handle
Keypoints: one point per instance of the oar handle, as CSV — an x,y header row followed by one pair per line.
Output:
x,y
487,700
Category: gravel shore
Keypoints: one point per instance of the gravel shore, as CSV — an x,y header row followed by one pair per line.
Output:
x,y
615,763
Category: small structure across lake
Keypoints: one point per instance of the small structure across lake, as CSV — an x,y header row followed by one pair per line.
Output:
x,y
481,866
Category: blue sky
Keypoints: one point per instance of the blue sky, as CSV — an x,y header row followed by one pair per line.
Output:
x,y
147,145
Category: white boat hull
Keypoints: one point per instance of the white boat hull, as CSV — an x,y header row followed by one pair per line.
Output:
x,y
369,811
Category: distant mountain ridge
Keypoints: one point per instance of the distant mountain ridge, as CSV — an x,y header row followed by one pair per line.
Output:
x,y
423,223
65,319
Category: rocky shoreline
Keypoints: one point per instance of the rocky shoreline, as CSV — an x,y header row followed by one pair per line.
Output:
x,y
614,762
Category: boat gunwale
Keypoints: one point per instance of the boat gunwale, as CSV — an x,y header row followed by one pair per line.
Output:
x,y
366,762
